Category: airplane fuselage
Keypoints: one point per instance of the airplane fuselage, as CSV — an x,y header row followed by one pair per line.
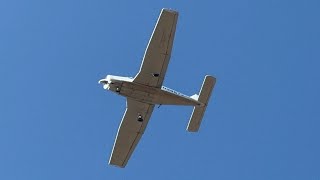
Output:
x,y
126,87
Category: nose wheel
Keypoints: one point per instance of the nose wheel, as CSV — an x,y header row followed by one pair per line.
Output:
x,y
140,119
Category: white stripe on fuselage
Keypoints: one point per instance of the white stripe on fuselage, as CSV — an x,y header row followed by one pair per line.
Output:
x,y
174,92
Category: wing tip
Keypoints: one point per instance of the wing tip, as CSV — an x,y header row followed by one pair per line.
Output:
x,y
169,10
116,164
211,77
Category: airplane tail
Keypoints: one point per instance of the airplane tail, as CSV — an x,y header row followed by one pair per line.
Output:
x,y
203,97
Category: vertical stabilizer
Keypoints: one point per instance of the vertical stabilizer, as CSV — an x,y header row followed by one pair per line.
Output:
x,y
204,96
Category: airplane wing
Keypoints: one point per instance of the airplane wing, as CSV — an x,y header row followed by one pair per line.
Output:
x,y
130,131
158,52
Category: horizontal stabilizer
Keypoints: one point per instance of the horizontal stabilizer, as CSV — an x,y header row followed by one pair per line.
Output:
x,y
198,111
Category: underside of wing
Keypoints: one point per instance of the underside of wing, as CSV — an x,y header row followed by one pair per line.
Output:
x,y
130,131
158,52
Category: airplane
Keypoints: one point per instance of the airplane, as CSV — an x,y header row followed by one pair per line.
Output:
x,y
145,90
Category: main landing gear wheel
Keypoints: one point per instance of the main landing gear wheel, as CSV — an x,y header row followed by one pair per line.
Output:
x,y
140,118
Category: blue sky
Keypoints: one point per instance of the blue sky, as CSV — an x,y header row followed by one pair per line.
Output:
x,y
56,121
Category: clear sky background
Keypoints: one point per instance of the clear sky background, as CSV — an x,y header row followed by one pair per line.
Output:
x,y
57,122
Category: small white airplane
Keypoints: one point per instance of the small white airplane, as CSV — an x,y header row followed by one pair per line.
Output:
x,y
145,90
